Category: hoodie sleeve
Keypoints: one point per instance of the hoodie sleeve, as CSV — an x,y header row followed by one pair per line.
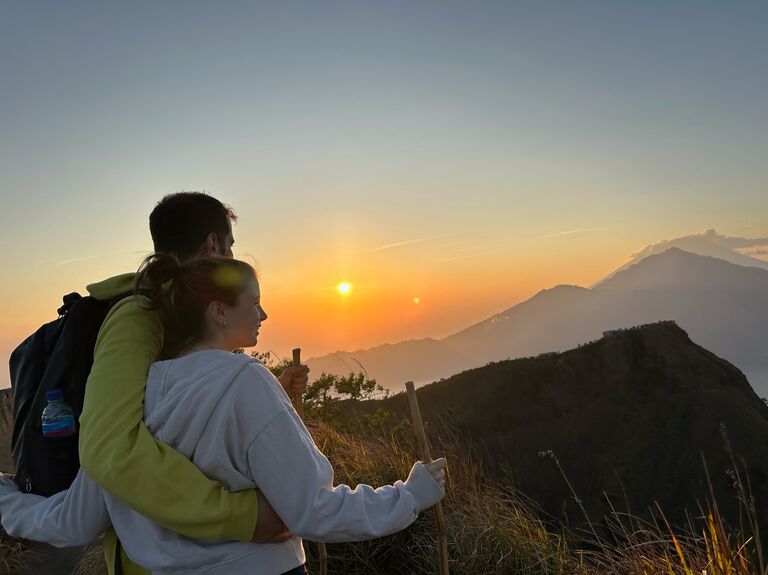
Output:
x,y
297,479
73,517
118,452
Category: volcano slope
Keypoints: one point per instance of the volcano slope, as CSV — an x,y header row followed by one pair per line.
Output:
x,y
629,418
721,304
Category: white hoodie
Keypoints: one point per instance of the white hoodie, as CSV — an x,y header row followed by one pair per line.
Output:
x,y
232,418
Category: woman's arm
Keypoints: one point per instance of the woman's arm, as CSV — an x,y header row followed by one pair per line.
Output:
x,y
70,518
298,480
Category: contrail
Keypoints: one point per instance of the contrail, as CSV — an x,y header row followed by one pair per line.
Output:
x,y
452,259
407,242
569,232
73,260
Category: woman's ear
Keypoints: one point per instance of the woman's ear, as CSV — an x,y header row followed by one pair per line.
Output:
x,y
217,314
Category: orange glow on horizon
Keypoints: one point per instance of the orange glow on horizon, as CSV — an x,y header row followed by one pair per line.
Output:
x,y
312,302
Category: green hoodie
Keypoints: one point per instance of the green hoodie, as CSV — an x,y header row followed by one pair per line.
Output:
x,y
118,452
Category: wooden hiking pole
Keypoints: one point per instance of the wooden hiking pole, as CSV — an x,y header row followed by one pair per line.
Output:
x,y
298,405
426,457
298,402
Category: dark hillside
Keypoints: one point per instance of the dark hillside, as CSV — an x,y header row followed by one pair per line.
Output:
x,y
631,413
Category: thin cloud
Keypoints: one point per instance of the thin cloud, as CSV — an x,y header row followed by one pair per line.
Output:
x,y
470,249
570,232
461,254
452,259
744,246
75,260
756,251
406,243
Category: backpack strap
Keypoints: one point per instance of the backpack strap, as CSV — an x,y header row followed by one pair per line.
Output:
x,y
70,299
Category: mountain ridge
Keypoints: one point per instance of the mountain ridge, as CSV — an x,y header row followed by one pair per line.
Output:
x,y
626,416
676,285
709,243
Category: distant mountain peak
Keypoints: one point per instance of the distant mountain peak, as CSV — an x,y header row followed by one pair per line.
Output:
x,y
710,236
678,267
736,250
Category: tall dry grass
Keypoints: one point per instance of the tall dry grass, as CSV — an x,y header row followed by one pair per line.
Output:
x,y
494,530
13,554
490,529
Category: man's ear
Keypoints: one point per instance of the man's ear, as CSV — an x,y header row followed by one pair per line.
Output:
x,y
212,245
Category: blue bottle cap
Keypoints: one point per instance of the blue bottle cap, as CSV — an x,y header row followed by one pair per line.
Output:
x,y
54,395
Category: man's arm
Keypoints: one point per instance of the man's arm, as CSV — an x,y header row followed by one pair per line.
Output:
x,y
119,453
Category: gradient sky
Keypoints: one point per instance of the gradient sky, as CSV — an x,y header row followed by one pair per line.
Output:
x,y
465,153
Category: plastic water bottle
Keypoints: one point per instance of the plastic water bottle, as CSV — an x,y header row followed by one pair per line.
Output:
x,y
58,417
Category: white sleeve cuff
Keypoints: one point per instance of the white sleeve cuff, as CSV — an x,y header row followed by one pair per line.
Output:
x,y
425,490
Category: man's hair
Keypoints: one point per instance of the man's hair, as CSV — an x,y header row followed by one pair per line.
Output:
x,y
181,222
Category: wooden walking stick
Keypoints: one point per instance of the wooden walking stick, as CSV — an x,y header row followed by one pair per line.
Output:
x,y
297,400
426,457
298,404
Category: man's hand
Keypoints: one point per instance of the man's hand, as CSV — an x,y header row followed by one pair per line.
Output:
x,y
269,527
294,380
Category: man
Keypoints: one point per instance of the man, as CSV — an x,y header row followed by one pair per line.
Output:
x,y
116,449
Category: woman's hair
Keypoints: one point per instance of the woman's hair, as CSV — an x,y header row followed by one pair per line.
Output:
x,y
181,292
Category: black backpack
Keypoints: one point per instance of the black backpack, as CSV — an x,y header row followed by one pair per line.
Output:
x,y
59,355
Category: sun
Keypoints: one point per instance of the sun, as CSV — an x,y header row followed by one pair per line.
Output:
x,y
344,288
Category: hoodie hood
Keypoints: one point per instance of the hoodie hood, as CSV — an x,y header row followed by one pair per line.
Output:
x,y
112,287
200,379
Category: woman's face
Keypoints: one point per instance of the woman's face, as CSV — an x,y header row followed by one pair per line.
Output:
x,y
244,319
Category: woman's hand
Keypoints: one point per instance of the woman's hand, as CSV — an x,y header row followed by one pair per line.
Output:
x,y
426,482
437,470
294,380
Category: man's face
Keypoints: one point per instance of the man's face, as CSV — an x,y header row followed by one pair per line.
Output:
x,y
227,243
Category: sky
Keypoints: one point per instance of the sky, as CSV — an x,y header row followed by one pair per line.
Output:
x,y
462,155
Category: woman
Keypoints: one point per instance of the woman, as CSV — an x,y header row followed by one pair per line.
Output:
x,y
233,419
